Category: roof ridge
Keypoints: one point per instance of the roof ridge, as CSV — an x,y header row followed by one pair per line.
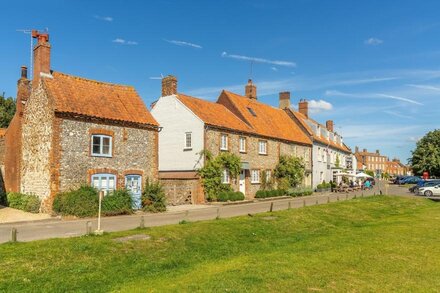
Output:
x,y
93,80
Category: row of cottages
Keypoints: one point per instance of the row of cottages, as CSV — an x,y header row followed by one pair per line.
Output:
x,y
258,133
69,131
330,155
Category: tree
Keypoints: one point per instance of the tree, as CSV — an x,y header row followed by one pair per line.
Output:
x,y
426,156
289,171
7,111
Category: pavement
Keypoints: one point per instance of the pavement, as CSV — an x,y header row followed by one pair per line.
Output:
x,y
56,228
10,215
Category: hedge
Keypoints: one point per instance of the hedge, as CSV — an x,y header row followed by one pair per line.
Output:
x,y
230,196
270,193
26,202
294,192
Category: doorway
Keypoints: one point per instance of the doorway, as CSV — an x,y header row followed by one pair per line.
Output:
x,y
242,181
133,184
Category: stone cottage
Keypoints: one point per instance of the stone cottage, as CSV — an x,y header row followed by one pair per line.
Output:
x,y
258,133
71,130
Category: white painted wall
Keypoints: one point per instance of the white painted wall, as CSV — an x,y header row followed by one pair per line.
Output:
x,y
176,119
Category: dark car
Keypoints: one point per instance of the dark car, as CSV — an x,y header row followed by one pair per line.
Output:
x,y
410,180
399,179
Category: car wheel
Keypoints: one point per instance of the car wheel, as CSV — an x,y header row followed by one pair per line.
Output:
x,y
428,193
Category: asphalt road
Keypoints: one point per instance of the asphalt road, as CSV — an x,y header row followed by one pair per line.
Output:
x,y
46,229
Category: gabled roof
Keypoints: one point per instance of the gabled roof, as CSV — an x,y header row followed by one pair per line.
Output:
x,y
214,114
76,95
265,120
319,138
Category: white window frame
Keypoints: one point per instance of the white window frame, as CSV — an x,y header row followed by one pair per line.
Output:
x,y
101,177
224,142
101,145
268,175
242,144
255,176
226,179
186,146
262,150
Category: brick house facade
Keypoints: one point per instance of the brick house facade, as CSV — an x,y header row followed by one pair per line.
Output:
x,y
258,136
70,131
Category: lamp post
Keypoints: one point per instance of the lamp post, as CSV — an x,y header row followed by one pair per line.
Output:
x,y
99,231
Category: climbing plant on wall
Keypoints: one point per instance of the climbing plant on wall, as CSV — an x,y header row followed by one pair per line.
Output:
x,y
211,172
290,172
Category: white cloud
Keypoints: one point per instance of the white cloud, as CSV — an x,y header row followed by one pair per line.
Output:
x,y
397,114
414,138
424,87
370,95
259,60
373,41
124,42
155,77
274,68
104,18
183,43
318,106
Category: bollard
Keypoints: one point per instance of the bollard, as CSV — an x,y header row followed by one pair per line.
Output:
x,y
328,199
14,235
142,223
362,195
346,196
338,198
317,203
355,195
304,203
289,206
271,207
218,212
186,215
88,228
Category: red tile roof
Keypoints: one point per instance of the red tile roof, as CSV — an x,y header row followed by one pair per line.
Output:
x,y
302,119
76,95
3,131
214,114
267,121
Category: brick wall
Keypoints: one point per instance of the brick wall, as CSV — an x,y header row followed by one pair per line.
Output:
x,y
182,191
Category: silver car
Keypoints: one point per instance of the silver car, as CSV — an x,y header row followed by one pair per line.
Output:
x,y
429,191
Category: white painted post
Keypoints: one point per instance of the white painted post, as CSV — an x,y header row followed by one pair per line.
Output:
x,y
99,231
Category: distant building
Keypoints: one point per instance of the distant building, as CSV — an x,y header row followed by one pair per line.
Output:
x,y
371,161
395,167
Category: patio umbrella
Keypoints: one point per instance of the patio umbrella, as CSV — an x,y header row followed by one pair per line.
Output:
x,y
363,175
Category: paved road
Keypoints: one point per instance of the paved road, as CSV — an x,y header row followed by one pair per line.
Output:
x,y
68,228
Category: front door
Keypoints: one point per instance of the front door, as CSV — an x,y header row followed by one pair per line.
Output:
x,y
133,184
242,182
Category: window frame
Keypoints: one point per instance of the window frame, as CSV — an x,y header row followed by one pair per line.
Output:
x,y
242,150
268,175
260,143
226,146
257,171
226,177
101,145
186,147
100,176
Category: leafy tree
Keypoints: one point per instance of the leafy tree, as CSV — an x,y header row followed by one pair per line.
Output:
x,y
289,171
153,197
426,156
7,110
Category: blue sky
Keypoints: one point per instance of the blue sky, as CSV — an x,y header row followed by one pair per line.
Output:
x,y
372,67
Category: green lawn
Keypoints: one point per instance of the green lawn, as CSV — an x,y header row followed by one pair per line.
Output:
x,y
378,244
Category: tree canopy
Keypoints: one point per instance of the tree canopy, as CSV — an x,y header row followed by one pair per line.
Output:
x,y
7,111
426,156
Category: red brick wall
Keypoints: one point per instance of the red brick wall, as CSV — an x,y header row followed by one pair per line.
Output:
x,y
13,155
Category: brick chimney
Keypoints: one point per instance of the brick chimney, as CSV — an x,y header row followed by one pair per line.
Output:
x,y
41,56
356,149
329,125
251,90
23,90
284,100
169,85
364,150
303,107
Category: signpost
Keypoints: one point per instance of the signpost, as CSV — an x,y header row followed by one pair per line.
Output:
x,y
99,231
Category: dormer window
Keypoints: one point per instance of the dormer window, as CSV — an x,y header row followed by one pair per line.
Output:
x,y
101,145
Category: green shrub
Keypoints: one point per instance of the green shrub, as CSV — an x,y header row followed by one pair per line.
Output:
x,y
294,192
237,196
82,202
223,196
25,202
270,193
118,202
260,194
230,196
153,197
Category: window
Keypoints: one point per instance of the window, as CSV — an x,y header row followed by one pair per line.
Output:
x,y
262,147
319,154
242,144
255,176
225,176
224,142
188,141
104,182
101,145
268,175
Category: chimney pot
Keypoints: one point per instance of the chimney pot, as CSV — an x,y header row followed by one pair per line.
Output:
x,y
284,100
251,90
169,85
303,107
356,149
377,151
329,125
365,150
24,72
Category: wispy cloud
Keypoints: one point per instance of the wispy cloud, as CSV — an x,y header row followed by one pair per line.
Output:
x,y
155,77
183,44
274,68
104,18
259,60
373,41
124,42
316,106
370,95
424,87
396,114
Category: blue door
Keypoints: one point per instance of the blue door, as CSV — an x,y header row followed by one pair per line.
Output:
x,y
133,183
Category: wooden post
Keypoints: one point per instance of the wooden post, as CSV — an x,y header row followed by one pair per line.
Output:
x,y
355,195
346,196
142,223
88,228
304,203
14,235
271,207
328,199
185,218
338,197
317,203
289,206
218,212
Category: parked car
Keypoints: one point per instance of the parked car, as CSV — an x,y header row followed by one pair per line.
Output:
x,y
430,191
423,183
410,180
399,179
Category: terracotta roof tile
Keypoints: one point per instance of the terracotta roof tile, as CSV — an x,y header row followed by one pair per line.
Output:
x,y
3,131
302,119
87,97
214,114
264,119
